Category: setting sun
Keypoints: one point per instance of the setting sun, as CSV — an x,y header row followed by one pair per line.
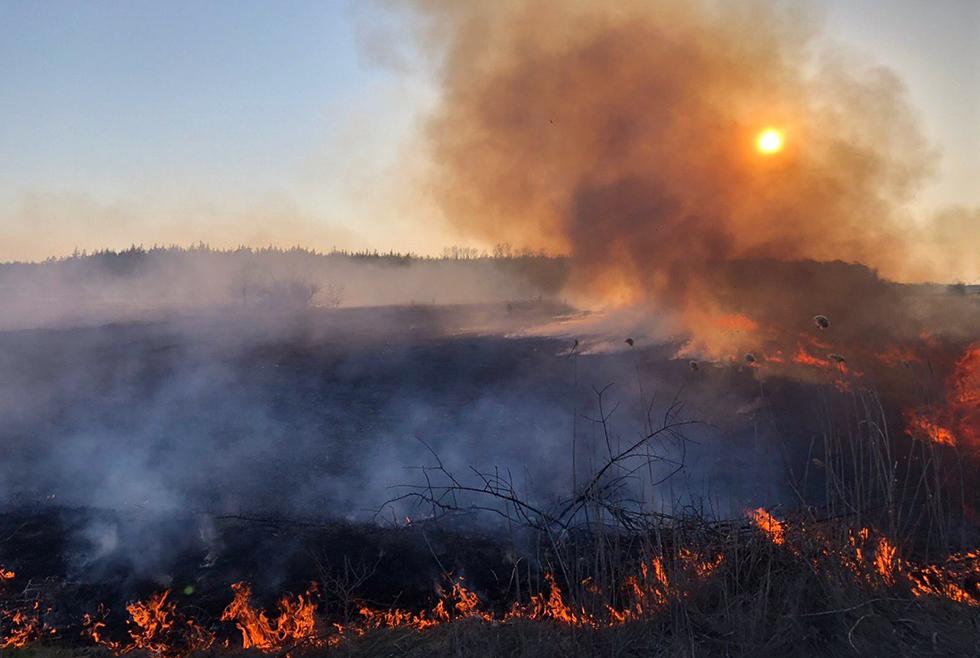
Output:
x,y
769,141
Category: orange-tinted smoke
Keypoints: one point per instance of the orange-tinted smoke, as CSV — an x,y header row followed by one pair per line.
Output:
x,y
624,134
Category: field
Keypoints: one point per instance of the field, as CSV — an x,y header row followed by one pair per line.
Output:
x,y
503,478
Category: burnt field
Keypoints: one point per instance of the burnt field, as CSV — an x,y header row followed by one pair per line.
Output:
x,y
485,479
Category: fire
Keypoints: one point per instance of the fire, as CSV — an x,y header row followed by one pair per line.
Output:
x,y
737,322
897,355
150,622
155,629
6,575
648,591
957,422
948,580
919,425
94,629
768,524
965,384
23,628
805,358
158,629
295,624
696,563
551,607
460,603
886,562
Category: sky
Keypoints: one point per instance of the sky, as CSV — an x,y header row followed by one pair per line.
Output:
x,y
242,122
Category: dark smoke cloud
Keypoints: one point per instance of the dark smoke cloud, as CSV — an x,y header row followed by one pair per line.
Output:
x,y
623,133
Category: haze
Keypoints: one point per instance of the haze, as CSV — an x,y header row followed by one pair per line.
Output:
x,y
302,123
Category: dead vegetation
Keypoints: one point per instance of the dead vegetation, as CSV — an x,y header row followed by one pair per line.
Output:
x,y
880,566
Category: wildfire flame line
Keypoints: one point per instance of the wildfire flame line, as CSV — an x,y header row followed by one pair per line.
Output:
x,y
157,628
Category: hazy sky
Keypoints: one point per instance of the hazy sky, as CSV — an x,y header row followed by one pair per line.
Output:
x,y
231,122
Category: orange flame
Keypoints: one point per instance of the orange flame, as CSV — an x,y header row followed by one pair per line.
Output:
x,y
153,630
768,524
957,422
917,424
24,627
296,623
156,628
886,562
947,581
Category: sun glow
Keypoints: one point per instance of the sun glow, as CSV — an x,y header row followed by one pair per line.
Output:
x,y
769,141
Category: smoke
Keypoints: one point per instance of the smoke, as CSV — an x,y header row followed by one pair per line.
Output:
x,y
624,135
140,284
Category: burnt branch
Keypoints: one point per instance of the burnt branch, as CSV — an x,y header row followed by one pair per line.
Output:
x,y
607,492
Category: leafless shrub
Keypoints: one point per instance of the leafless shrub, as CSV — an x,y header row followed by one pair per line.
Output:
x,y
342,585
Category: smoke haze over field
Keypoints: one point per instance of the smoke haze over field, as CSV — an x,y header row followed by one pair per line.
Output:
x,y
140,284
624,135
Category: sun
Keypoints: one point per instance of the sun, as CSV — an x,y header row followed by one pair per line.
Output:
x,y
769,141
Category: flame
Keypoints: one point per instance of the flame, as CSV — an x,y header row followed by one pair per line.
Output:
x,y
157,628
696,563
460,603
768,524
947,581
296,623
965,384
805,358
94,627
736,322
957,422
6,575
24,627
648,591
897,355
150,622
886,562
919,425
551,607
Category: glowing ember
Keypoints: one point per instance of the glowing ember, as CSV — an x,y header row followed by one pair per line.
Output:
x,y
22,628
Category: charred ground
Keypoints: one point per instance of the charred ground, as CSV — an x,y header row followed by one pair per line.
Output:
x,y
258,443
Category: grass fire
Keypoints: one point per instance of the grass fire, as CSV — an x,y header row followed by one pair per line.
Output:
x,y
700,375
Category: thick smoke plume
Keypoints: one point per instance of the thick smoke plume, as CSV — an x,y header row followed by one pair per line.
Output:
x,y
624,134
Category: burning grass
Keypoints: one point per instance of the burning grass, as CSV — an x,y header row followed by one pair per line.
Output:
x,y
790,586
881,569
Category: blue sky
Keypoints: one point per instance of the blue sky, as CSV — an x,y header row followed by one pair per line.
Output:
x,y
244,121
